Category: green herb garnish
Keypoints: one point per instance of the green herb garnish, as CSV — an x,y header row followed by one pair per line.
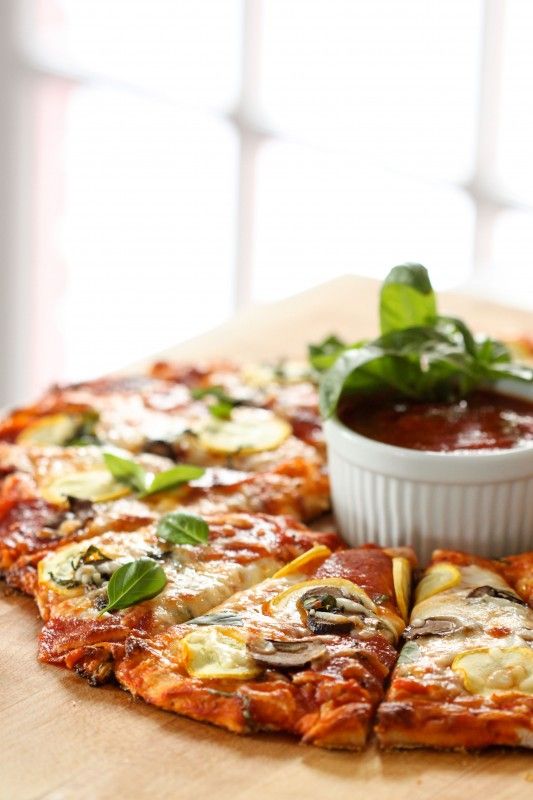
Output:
x,y
420,355
218,618
221,410
84,434
134,582
126,471
133,475
180,527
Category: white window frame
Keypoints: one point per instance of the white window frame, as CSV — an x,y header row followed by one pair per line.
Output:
x,y
18,67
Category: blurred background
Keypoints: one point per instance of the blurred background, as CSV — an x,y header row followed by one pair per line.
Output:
x,y
167,162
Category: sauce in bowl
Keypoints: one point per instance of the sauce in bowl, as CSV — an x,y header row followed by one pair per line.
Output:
x,y
484,420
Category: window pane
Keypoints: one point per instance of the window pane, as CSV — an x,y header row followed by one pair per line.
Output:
x,y
510,277
393,81
319,216
515,164
184,48
138,253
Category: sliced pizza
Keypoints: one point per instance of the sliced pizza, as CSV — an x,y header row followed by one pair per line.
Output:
x,y
518,571
228,422
464,678
306,652
200,561
50,495
286,387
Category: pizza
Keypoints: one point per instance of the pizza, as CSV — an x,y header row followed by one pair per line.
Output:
x,y
306,652
157,521
464,678
518,571
226,419
50,495
71,590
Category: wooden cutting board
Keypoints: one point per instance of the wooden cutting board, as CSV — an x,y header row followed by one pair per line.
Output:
x,y
60,739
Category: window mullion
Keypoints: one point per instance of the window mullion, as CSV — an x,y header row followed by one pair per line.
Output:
x,y
481,187
250,141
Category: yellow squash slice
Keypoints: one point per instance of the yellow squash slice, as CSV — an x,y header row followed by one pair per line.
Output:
x,y
248,431
438,578
56,570
217,652
305,562
401,575
96,485
486,670
54,429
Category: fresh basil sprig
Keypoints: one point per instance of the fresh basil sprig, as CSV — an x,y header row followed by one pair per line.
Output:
x,y
324,354
126,471
180,527
134,582
221,410
224,402
419,355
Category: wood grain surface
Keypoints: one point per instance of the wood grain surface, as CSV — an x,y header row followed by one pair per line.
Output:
x,y
61,739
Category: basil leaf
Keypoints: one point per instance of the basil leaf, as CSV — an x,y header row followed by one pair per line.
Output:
x,y
221,410
217,392
126,471
218,618
419,356
323,354
134,582
406,299
172,478
180,527
84,434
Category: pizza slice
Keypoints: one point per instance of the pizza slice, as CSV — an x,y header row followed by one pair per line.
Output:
x,y
200,562
518,571
464,678
306,652
52,495
224,423
286,387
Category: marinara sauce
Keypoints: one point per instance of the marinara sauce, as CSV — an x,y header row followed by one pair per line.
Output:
x,y
484,420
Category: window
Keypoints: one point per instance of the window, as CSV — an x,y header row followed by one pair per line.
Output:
x,y
177,159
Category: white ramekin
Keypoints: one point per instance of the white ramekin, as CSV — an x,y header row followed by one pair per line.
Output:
x,y
393,496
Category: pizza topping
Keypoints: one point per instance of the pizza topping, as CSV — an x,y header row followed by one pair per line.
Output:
x,y
219,476
331,606
487,670
218,652
248,431
438,578
60,429
96,485
75,566
159,447
312,558
491,591
180,527
134,582
133,475
286,654
218,618
401,575
432,626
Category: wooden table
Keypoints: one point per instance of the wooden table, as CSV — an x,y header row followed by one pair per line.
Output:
x,y
61,739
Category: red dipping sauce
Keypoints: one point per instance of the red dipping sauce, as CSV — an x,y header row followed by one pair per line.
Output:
x,y
484,420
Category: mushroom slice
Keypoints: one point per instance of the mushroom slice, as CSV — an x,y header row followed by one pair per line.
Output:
x,y
490,591
322,622
287,654
433,626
